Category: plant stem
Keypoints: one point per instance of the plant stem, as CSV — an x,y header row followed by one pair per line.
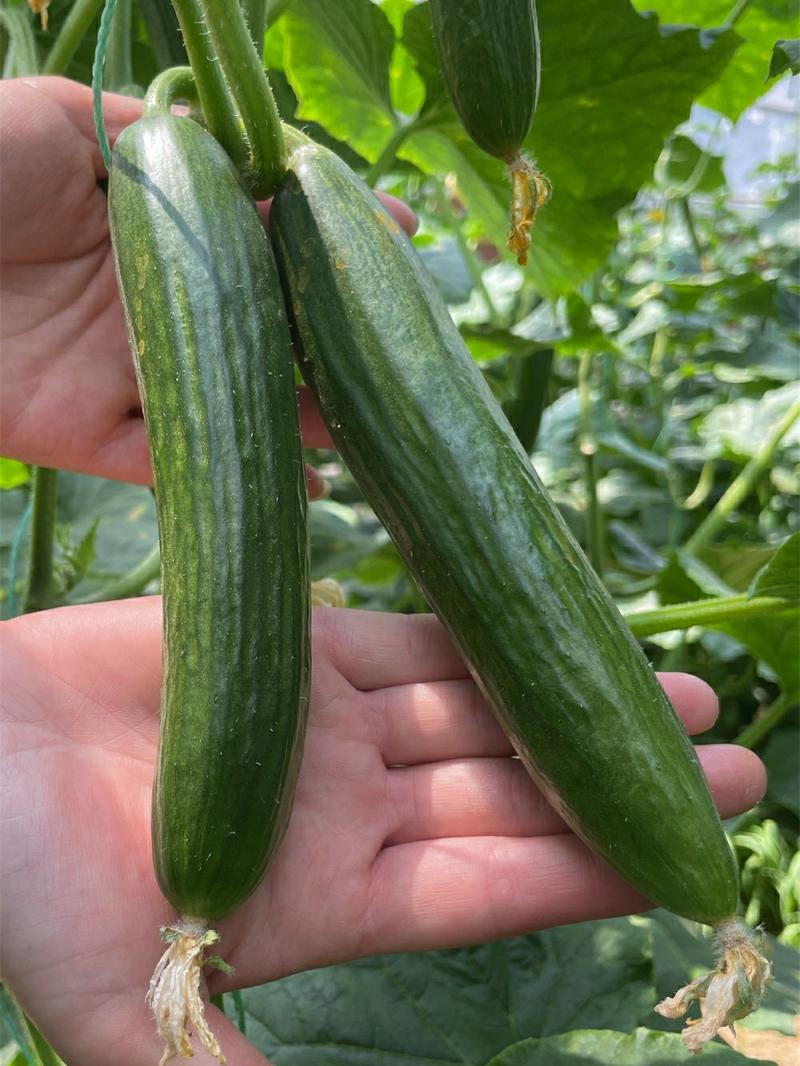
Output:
x,y
177,83
255,15
588,449
743,485
22,42
736,13
221,115
130,584
76,25
708,612
387,157
249,90
766,722
705,484
118,71
688,219
39,592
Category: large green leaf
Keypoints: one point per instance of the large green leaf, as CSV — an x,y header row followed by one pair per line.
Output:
x,y
455,1006
337,58
762,23
604,1048
781,575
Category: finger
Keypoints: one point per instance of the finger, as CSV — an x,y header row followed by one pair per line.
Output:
x,y
315,432
374,650
695,701
419,723
450,892
496,797
318,487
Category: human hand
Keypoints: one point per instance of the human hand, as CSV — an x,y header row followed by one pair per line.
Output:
x,y
69,395
413,827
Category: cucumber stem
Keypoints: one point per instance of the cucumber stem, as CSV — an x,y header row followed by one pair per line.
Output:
x,y
708,612
761,726
588,449
177,83
255,15
221,115
731,991
250,93
388,155
743,484
175,996
76,26
39,594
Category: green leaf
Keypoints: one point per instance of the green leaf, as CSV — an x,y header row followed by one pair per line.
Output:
x,y
781,757
126,534
686,164
785,56
742,83
773,641
606,1048
781,575
740,427
13,474
337,58
454,1006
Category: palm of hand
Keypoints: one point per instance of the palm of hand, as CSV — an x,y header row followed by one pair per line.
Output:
x,y
70,393
412,827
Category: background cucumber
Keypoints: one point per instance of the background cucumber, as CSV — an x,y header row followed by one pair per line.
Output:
x,y
208,329
489,57
436,458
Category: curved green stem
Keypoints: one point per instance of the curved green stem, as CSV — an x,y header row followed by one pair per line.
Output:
x,y
255,15
130,584
235,94
22,41
82,14
691,229
588,449
118,72
736,13
705,483
388,155
708,612
743,485
766,722
169,86
39,593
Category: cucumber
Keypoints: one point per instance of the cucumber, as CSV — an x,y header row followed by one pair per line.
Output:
x,y
489,58
436,458
209,333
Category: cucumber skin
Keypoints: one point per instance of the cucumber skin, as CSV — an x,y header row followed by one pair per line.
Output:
x,y
208,328
435,457
489,58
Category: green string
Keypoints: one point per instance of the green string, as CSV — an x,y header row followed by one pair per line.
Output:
x,y
97,79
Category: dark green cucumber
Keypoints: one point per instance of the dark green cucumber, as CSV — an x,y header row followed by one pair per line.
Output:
x,y
489,57
208,328
436,458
